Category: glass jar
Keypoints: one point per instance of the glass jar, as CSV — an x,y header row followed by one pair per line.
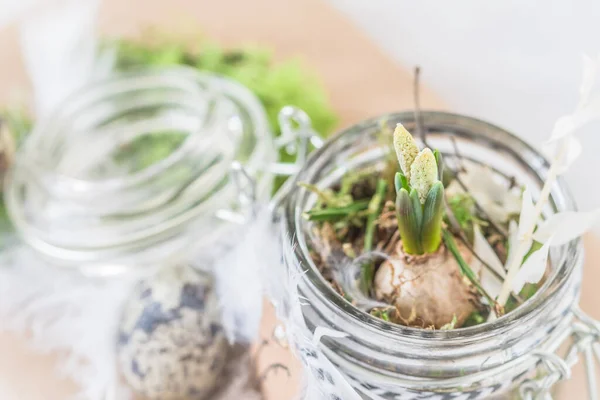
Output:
x,y
512,356
141,168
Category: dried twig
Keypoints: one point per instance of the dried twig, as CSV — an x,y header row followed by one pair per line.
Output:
x,y
501,231
420,126
461,166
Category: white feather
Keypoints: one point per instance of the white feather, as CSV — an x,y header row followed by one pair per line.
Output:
x,y
239,275
59,47
14,10
66,313
61,311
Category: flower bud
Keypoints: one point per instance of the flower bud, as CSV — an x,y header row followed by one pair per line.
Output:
x,y
423,173
406,149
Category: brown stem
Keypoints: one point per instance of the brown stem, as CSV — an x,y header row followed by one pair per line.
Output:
x,y
480,209
461,166
420,126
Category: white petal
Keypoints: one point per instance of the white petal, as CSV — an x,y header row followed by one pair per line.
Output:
x,y
514,240
491,194
563,126
571,150
512,202
481,180
532,271
588,108
568,148
527,217
566,226
490,282
568,124
484,250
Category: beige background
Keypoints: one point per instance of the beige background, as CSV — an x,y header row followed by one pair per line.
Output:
x,y
361,80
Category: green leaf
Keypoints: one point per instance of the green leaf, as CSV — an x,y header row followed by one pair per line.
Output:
x,y
400,181
336,213
409,221
535,246
384,314
463,208
474,319
431,231
439,160
450,325
464,267
418,212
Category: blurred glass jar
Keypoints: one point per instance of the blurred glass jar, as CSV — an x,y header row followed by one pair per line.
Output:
x,y
141,168
509,358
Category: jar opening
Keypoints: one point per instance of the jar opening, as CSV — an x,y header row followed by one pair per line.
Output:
x,y
483,143
134,161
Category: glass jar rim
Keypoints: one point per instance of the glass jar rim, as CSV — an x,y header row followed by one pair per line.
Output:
x,y
186,82
123,82
529,309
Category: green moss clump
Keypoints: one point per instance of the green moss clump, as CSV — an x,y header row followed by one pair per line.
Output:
x,y
276,84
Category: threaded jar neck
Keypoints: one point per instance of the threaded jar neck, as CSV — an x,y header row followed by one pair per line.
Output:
x,y
136,162
383,354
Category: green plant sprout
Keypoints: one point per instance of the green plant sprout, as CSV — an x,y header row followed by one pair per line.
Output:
x,y
419,195
427,276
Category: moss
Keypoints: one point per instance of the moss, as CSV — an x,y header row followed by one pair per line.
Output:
x,y
463,208
276,84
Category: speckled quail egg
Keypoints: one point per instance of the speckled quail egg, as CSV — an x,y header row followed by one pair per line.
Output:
x,y
171,344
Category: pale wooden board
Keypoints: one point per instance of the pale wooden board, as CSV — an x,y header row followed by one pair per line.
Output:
x,y
361,80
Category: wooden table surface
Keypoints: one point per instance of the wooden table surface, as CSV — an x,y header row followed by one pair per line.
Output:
x,y
360,79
